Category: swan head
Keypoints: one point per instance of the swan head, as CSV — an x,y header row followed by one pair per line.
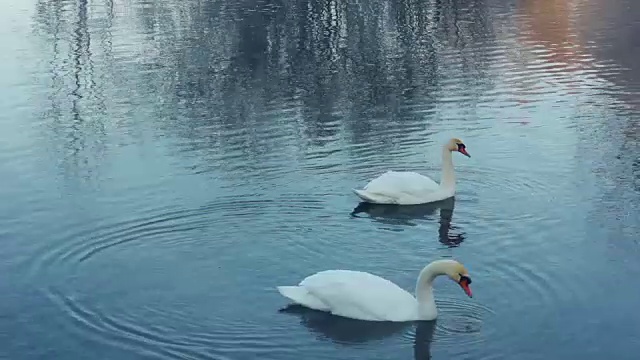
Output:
x,y
456,144
458,273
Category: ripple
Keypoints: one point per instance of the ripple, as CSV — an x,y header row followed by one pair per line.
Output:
x,y
481,185
195,340
75,257
459,326
175,228
460,318
82,246
101,328
526,282
541,284
519,184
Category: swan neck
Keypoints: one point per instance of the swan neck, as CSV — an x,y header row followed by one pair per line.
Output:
x,y
424,288
448,179
424,285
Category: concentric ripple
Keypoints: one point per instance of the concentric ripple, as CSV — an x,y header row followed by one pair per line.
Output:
x,y
175,228
76,264
102,328
173,335
460,318
172,226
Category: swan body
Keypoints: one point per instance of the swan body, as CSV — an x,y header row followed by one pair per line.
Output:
x,y
411,188
402,187
364,296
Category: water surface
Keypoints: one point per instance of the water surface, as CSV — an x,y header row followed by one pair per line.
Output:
x,y
166,164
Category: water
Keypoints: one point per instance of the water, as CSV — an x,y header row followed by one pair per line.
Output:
x,y
166,164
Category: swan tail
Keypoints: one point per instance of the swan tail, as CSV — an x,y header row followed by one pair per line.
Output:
x,y
301,296
373,198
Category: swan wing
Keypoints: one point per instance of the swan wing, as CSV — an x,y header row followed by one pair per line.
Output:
x,y
360,295
402,181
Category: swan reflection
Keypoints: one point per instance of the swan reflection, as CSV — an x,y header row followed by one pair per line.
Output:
x,y
408,214
347,331
423,339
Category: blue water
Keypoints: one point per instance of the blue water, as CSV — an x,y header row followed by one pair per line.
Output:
x,y
166,164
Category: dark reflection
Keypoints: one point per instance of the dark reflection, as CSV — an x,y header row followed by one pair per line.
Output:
x,y
76,114
636,174
408,214
344,330
246,79
423,339
336,66
347,331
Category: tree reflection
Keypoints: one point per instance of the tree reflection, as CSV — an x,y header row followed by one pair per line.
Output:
x,y
219,75
77,108
358,67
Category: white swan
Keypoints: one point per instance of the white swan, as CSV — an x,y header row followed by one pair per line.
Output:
x,y
363,296
411,188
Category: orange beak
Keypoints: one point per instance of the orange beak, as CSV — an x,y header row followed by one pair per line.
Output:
x,y
464,152
464,283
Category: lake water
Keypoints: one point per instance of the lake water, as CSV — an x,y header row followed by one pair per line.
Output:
x,y
166,164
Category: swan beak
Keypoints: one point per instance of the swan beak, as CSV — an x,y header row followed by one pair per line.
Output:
x,y
464,282
464,152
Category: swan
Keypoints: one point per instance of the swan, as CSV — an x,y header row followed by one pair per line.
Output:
x,y
411,188
364,296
